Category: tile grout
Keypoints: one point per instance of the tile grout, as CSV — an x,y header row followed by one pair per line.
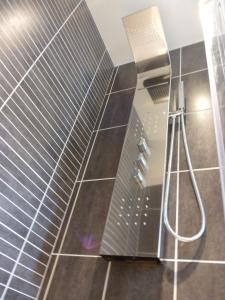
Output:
x,y
123,90
106,281
173,77
180,260
77,255
190,73
195,170
195,111
109,128
203,261
97,179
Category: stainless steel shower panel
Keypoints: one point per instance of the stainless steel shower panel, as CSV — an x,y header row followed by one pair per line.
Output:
x,y
133,226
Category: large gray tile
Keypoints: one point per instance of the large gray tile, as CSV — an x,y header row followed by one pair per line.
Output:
x,y
175,62
78,278
193,58
118,109
24,287
66,219
106,154
126,77
1,290
70,78
101,112
201,141
87,223
112,80
86,156
13,295
140,280
212,245
200,281
197,91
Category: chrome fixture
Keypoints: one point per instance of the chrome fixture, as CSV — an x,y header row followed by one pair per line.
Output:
x,y
143,147
142,163
138,177
141,172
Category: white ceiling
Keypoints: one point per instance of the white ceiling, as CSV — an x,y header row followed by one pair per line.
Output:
x,y
180,19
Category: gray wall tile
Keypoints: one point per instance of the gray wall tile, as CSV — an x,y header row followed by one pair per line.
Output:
x,y
54,74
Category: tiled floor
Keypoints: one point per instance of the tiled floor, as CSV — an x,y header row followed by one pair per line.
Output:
x,y
79,272
78,278
86,226
201,281
140,280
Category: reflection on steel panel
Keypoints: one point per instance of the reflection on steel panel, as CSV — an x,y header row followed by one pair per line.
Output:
x,y
133,226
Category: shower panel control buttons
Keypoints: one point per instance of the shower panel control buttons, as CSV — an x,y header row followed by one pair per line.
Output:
x,y
142,163
138,177
143,146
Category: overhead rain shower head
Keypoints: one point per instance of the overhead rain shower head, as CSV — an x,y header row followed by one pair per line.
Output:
x,y
147,40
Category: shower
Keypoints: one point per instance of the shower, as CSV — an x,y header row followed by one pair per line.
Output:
x,y
139,204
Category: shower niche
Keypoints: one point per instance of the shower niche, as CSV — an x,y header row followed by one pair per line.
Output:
x,y
133,227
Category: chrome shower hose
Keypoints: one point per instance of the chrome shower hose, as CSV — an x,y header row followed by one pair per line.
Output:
x,y
180,114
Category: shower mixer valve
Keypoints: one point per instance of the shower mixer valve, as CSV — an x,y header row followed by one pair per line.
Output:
x,y
142,163
143,146
138,177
